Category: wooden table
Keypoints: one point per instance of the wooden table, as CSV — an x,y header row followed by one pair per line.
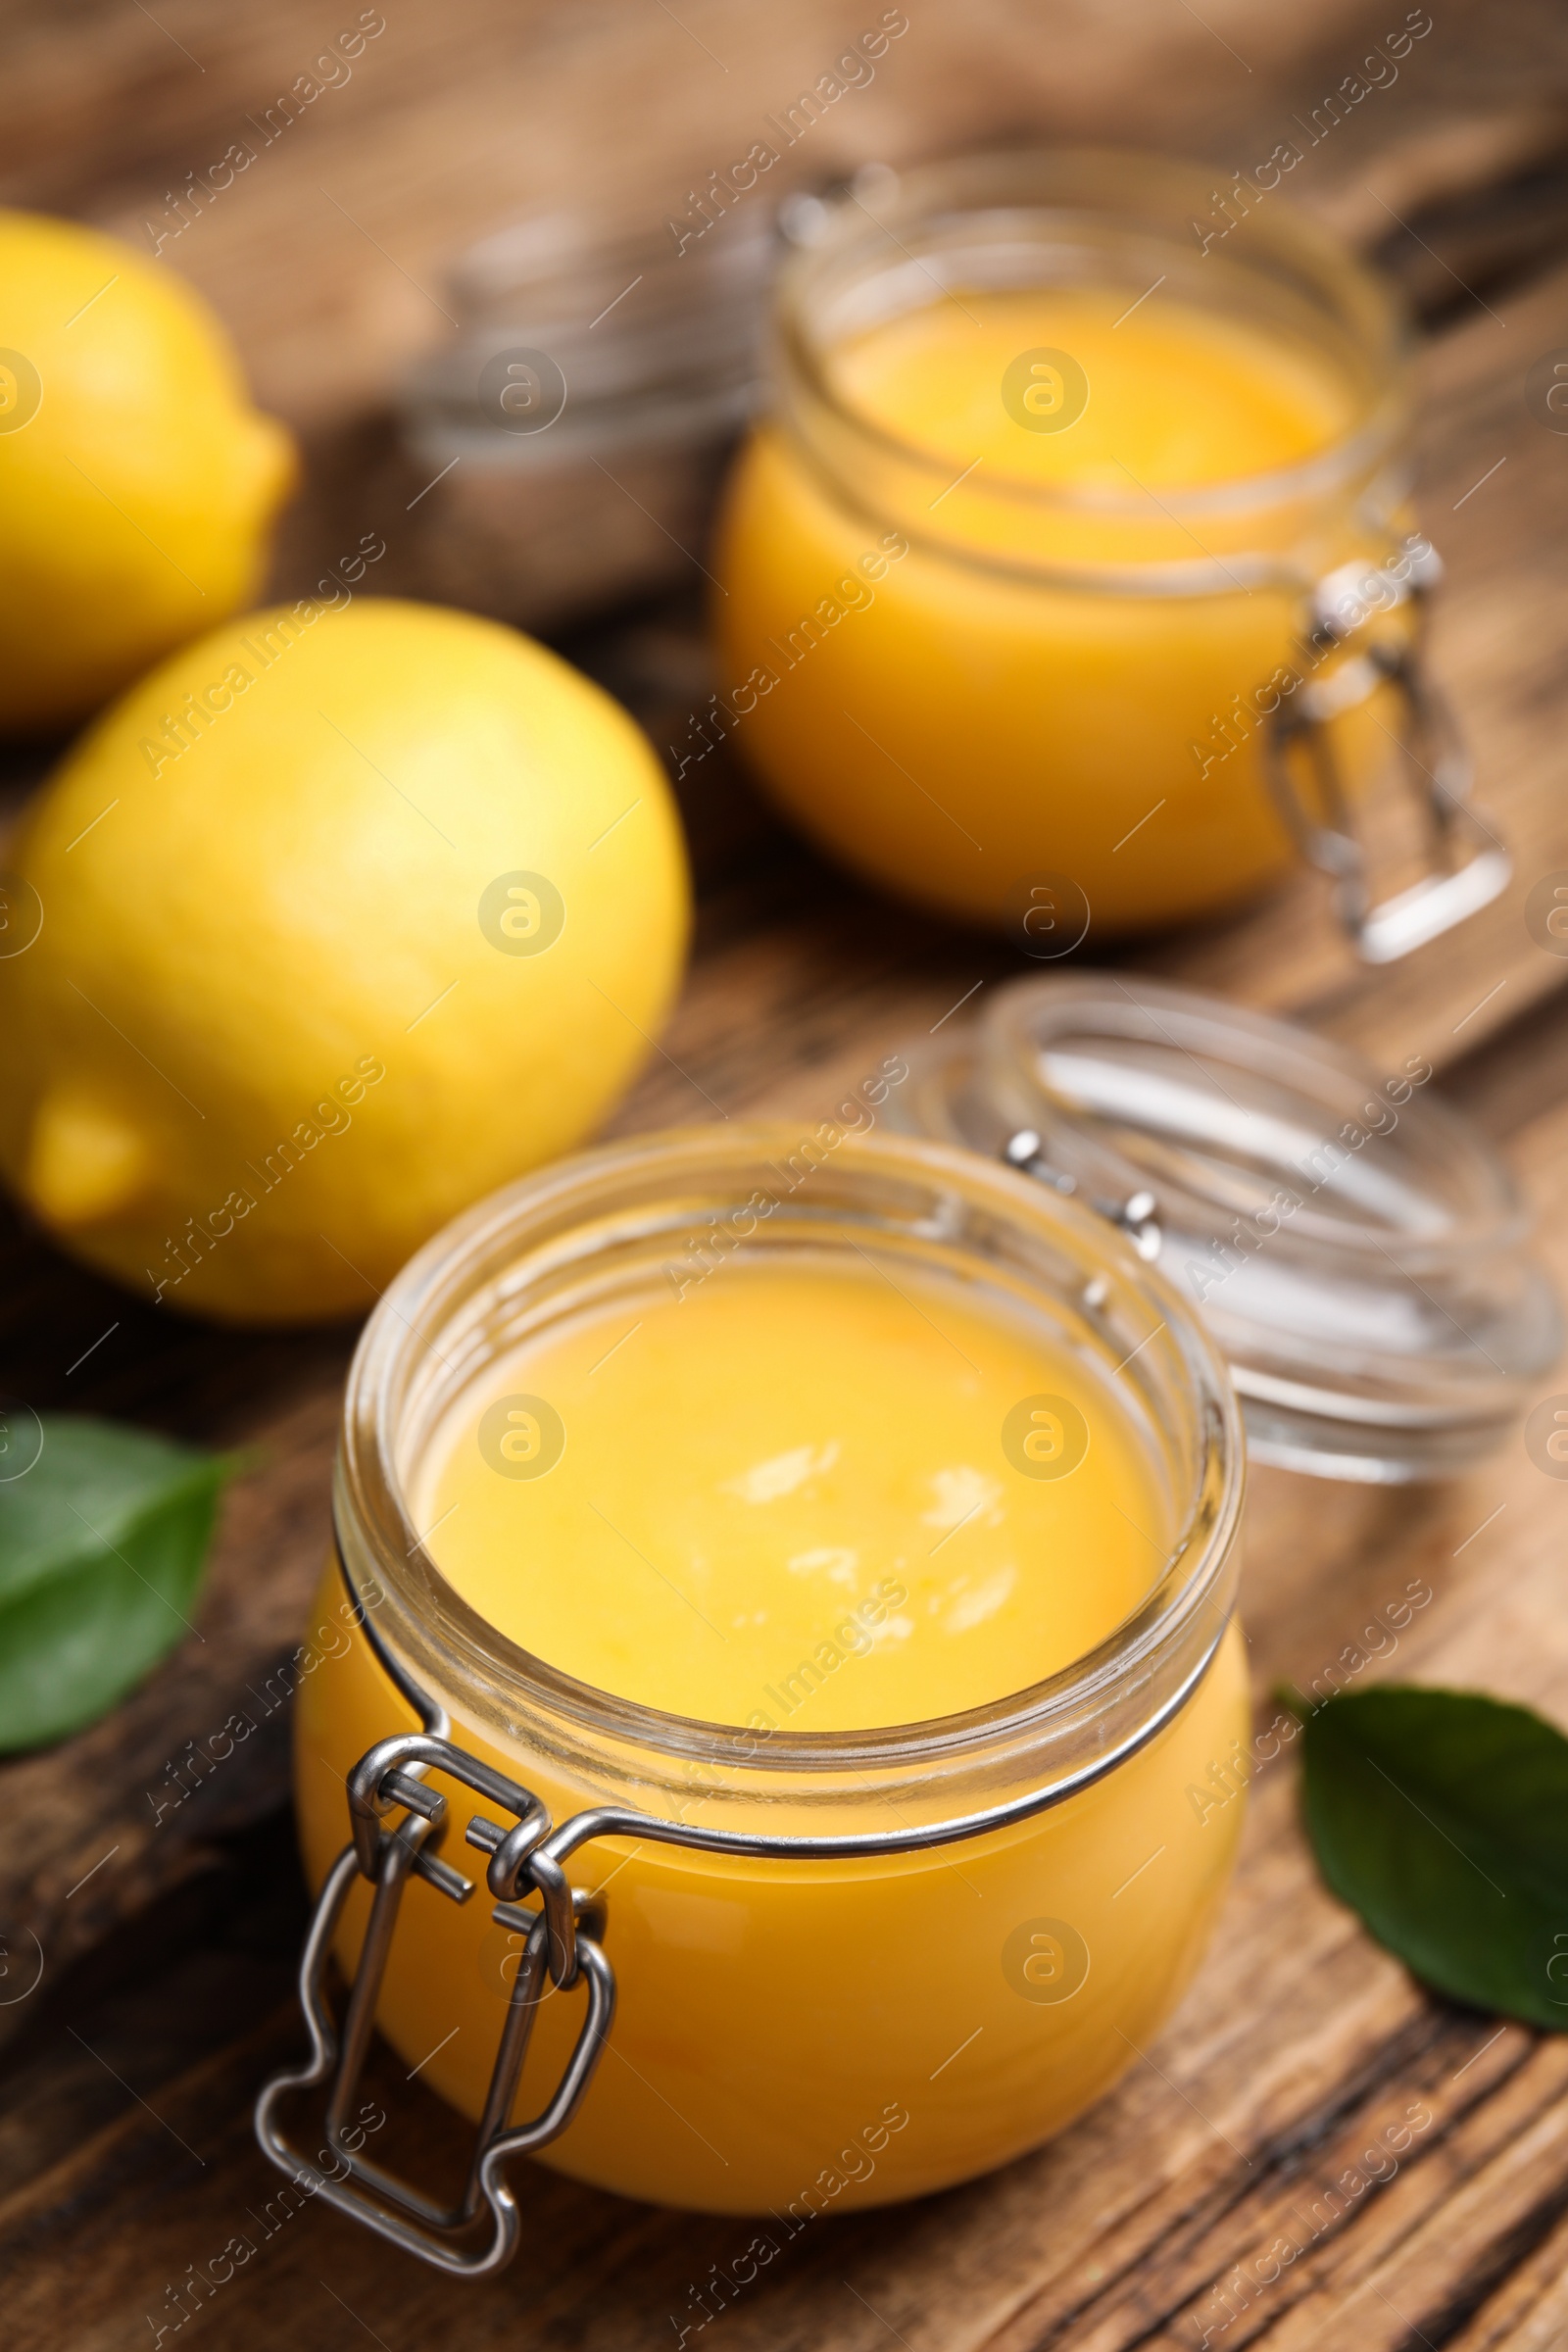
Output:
x,y
126,2157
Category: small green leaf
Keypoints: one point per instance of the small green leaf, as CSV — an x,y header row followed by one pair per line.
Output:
x,y
1441,1818
102,1544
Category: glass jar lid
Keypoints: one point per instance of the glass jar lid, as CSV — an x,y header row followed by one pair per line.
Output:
x,y
572,339
1357,1248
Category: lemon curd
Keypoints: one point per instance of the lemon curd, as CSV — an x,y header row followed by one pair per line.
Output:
x,y
786,1497
1015,575
1171,396
810,1535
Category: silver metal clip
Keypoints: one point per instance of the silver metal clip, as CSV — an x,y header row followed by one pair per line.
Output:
x,y
1135,1215
1468,865
562,1942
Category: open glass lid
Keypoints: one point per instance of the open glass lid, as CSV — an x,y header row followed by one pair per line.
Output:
x,y
1357,1248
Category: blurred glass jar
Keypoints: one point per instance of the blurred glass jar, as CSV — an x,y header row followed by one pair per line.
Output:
x,y
575,433
1025,686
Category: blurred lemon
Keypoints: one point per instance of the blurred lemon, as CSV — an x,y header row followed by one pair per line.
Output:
x,y
341,918
137,482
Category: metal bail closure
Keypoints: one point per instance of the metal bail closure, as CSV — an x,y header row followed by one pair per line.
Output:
x,y
1134,1215
1468,866
562,1943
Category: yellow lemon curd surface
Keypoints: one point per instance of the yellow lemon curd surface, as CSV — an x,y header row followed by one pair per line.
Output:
x,y
806,1498
1178,394
927,657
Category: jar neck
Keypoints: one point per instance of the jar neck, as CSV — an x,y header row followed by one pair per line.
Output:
x,y
1069,221
605,1217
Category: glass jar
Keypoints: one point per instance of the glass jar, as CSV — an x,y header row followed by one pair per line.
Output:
x,y
972,683
852,1967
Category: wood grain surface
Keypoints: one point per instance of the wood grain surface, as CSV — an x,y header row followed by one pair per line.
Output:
x,y
166,1939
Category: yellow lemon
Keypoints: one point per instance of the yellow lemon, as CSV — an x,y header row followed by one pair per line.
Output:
x,y
137,482
339,920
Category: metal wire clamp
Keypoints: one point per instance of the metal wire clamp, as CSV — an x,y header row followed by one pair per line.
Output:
x,y
1468,866
562,1942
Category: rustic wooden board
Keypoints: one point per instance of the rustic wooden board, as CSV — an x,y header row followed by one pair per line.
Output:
x,y
329,251
329,255
124,2151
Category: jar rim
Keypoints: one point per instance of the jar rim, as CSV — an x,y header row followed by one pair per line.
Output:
x,y
1082,182
434,1630
1027,1016
1382,1314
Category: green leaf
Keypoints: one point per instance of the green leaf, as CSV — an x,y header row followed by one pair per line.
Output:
x,y
1441,1818
102,1544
